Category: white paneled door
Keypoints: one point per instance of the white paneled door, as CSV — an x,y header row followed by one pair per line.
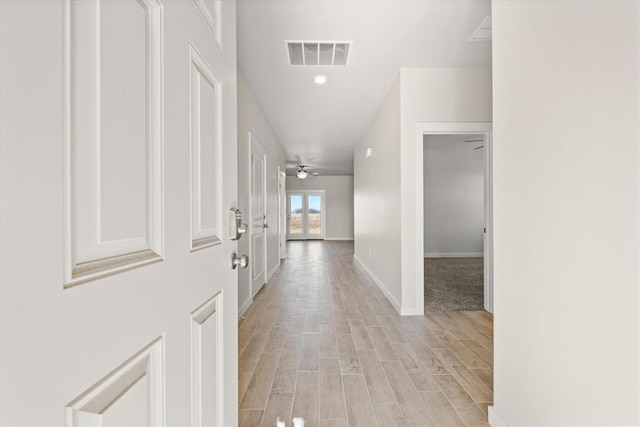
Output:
x,y
118,302
259,223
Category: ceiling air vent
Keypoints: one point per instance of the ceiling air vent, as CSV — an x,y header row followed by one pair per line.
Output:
x,y
318,53
483,32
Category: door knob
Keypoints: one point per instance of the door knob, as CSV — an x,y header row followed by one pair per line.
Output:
x,y
242,261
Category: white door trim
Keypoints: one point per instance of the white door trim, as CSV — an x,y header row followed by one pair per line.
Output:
x,y
256,145
454,128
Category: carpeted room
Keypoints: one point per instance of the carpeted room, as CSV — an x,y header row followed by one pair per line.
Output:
x,y
454,218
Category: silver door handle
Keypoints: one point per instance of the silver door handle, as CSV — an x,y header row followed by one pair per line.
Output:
x,y
242,261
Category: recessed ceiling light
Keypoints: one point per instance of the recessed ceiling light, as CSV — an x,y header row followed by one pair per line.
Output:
x,y
320,79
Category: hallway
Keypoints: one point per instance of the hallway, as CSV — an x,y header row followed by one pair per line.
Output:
x,y
321,342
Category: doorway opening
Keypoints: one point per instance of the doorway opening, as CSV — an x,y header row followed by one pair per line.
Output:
x,y
455,216
306,215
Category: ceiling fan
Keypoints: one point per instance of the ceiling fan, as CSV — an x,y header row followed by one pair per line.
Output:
x,y
476,140
302,173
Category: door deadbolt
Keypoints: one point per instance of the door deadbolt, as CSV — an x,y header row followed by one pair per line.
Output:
x,y
236,227
242,261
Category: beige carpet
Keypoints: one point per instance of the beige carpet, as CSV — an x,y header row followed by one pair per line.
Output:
x,y
453,284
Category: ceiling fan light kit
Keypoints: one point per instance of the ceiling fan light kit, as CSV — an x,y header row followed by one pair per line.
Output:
x,y
302,173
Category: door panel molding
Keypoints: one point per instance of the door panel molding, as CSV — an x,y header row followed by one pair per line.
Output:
x,y
211,17
89,407
205,319
97,176
206,172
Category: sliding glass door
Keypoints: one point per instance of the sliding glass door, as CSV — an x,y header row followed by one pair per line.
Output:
x,y
305,215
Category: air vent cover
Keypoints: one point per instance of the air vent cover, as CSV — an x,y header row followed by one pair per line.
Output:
x,y
483,32
311,53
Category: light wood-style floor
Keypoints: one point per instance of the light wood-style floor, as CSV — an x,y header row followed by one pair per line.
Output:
x,y
322,342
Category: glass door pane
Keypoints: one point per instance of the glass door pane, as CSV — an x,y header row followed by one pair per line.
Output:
x,y
295,214
314,224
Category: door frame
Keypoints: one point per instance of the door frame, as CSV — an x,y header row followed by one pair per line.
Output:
x,y
260,147
456,128
305,215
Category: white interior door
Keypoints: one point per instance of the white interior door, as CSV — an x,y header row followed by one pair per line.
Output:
x,y
117,129
282,213
258,206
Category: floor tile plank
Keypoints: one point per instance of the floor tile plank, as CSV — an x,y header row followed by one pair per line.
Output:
x,y
359,334
249,417
251,354
332,403
279,406
389,415
258,390
309,353
379,388
359,408
328,346
381,344
411,404
440,409
349,363
305,401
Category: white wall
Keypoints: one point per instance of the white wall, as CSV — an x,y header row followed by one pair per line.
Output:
x,y
385,184
431,95
377,197
338,203
453,202
566,199
252,118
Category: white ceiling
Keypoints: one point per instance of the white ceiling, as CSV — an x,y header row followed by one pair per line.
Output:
x,y
319,125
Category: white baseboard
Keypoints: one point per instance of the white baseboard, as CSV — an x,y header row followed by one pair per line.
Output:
x,y
453,255
338,238
495,420
412,311
272,272
380,285
242,310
